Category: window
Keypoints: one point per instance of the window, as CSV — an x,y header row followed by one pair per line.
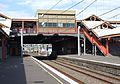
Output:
x,y
60,24
65,25
72,25
40,24
54,24
68,25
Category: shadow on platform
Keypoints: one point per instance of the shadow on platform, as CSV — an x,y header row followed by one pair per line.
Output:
x,y
12,71
52,56
45,58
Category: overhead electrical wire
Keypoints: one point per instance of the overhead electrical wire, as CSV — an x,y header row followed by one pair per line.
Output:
x,y
53,6
79,3
109,11
66,9
86,7
72,6
114,16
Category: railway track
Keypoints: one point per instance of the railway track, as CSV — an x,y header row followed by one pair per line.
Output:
x,y
71,70
95,74
70,76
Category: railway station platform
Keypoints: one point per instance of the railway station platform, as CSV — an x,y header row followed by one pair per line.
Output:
x,y
110,64
112,60
18,70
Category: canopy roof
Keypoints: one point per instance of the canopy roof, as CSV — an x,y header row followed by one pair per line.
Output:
x,y
92,24
2,25
4,16
100,28
104,33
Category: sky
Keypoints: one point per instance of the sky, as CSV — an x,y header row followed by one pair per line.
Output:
x,y
28,8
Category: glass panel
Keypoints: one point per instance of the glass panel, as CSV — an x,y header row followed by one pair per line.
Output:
x,y
64,25
68,25
60,24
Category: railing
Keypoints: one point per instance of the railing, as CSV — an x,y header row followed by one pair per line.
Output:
x,y
45,30
29,30
25,30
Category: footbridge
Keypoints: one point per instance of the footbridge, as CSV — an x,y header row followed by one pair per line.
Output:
x,y
96,30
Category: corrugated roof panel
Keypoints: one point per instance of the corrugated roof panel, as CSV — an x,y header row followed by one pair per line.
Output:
x,y
106,32
92,24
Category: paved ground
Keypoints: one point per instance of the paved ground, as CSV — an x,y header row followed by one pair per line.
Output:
x,y
109,59
17,70
23,71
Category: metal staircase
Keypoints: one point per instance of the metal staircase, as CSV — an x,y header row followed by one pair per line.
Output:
x,y
93,39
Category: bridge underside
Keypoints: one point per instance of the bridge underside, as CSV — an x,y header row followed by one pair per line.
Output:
x,y
62,44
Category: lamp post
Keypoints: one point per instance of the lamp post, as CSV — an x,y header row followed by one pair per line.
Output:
x,y
79,41
21,42
22,38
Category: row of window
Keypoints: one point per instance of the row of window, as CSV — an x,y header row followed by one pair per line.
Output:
x,y
64,25
57,16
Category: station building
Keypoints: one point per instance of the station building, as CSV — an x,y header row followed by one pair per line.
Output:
x,y
56,27
60,28
56,21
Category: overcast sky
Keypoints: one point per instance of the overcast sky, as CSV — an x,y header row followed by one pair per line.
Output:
x,y
28,8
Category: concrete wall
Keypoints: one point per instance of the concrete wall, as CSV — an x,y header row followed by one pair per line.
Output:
x,y
56,11
66,47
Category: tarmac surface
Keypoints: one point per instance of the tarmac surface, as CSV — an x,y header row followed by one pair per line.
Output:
x,y
114,60
17,70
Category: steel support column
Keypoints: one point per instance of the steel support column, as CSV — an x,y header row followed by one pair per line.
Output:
x,y
107,46
22,38
84,45
37,22
79,50
95,50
